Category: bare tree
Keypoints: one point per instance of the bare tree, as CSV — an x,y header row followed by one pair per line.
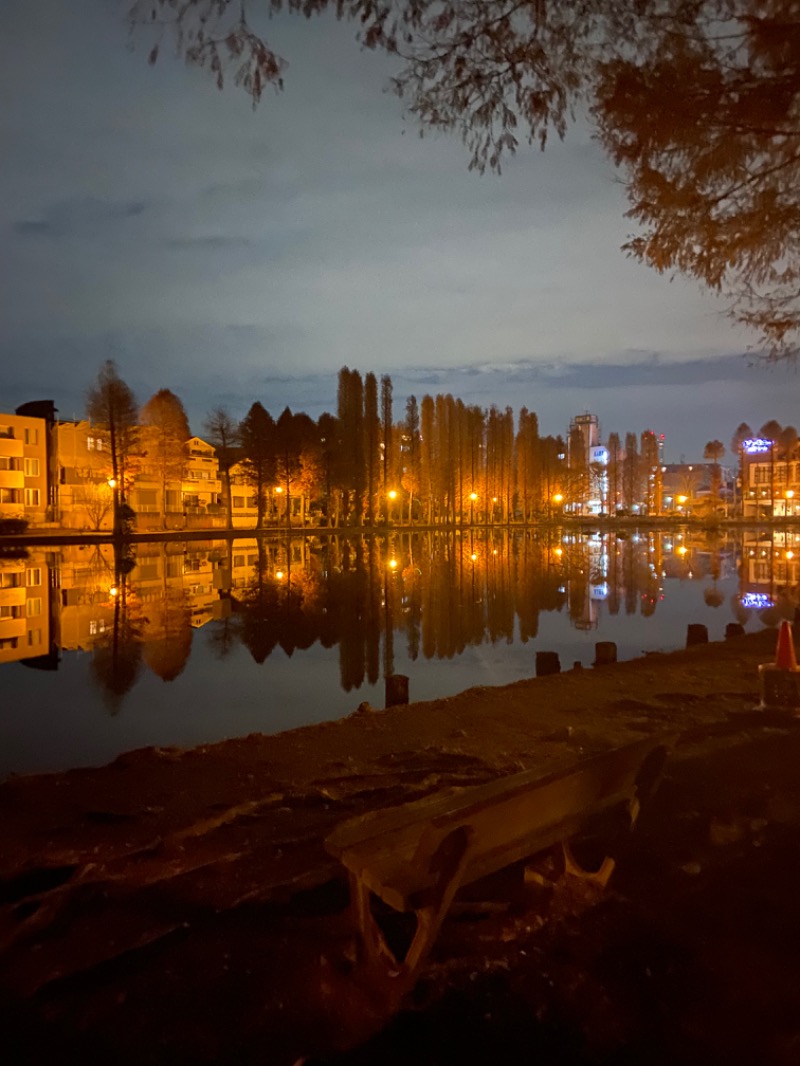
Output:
x,y
223,432
110,404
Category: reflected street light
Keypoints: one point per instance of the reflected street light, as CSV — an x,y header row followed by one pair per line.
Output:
x,y
472,498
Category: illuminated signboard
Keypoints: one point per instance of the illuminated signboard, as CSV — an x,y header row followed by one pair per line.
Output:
x,y
598,455
756,444
756,599
599,592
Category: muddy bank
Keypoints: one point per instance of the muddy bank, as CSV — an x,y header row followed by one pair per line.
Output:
x,y
179,906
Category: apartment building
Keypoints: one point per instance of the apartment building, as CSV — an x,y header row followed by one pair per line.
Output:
x,y
25,467
25,616
770,487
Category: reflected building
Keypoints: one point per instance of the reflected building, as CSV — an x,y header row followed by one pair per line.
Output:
x,y
375,598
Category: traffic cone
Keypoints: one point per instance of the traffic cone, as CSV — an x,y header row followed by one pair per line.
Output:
x,y
785,658
780,681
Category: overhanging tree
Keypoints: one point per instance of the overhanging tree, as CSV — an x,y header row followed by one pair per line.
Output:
x,y
697,101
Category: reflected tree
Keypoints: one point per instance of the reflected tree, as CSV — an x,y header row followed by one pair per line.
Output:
x,y
117,653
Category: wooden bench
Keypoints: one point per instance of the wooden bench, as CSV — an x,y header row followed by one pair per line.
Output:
x,y
416,856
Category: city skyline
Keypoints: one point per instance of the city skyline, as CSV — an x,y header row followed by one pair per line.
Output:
x,y
233,255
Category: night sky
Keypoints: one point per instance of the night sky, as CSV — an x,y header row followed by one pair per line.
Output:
x,y
233,255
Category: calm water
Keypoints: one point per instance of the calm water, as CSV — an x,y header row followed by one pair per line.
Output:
x,y
182,643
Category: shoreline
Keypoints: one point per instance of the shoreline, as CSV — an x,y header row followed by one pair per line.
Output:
x,y
586,523
128,889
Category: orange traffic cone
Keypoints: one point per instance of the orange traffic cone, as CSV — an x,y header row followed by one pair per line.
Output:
x,y
785,658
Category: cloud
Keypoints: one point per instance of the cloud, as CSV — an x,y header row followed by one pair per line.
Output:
x,y
210,243
78,216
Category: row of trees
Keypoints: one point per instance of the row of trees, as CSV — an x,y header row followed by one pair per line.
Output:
x,y
443,462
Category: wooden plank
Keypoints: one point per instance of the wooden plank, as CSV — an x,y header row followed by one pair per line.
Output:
x,y
508,819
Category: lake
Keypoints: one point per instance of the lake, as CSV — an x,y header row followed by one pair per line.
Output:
x,y
188,642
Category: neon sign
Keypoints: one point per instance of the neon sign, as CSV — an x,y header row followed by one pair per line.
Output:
x,y
756,599
756,444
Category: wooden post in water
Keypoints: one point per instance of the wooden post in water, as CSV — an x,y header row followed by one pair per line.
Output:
x,y
547,662
396,690
696,633
605,653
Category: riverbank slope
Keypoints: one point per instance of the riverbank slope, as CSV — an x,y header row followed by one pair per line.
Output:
x,y
180,907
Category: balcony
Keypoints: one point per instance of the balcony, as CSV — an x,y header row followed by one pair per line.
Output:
x,y
10,447
12,479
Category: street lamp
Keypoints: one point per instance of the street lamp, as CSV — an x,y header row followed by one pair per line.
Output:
x,y
472,498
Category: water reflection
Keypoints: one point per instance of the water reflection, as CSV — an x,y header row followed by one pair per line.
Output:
x,y
375,599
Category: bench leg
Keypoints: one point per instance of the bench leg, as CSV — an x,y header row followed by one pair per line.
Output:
x,y
597,877
448,863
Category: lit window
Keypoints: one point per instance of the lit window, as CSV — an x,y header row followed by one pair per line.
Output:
x,y
33,607
31,467
33,576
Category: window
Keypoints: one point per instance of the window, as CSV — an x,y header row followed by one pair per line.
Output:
x,y
7,463
10,581
94,444
31,468
33,606
10,611
31,436
32,497
238,501
34,638
10,496
33,576
96,627
239,560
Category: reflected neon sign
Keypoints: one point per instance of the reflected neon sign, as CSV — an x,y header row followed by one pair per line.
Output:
x,y
756,599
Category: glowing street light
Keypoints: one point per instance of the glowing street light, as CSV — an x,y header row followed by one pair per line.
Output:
x,y
393,564
112,482
472,498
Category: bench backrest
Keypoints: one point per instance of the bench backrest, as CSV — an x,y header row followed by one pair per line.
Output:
x,y
395,852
